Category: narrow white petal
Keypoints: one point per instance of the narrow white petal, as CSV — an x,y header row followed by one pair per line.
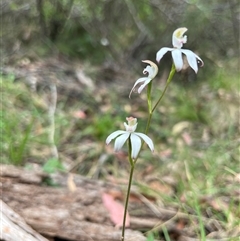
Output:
x,y
137,82
191,58
136,144
177,59
148,140
161,52
143,85
119,142
114,135
202,63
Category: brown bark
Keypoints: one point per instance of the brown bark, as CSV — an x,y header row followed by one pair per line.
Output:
x,y
55,211
13,227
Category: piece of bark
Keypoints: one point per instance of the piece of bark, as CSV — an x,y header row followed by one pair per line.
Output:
x,y
14,227
55,211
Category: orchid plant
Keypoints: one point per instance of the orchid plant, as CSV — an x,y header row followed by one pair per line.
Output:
x,y
135,139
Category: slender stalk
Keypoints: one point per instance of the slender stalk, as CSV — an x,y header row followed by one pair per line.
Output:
x,y
51,113
148,122
149,106
159,100
128,190
171,74
150,109
149,97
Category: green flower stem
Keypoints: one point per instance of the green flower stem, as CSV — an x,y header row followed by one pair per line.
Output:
x,y
149,106
150,111
148,122
171,74
132,162
149,97
129,188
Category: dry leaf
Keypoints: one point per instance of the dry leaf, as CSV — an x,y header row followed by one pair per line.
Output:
x,y
115,209
187,138
180,126
79,114
160,187
166,153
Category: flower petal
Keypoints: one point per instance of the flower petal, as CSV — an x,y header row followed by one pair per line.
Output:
x,y
119,142
130,128
136,145
201,62
137,82
150,70
143,85
148,140
177,59
191,58
114,135
161,52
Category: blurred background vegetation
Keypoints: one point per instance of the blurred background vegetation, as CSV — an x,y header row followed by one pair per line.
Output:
x,y
124,31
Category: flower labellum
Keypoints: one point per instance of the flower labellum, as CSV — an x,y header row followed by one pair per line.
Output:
x,y
151,70
178,39
134,137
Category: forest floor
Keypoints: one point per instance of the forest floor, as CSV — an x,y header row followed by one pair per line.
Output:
x,y
194,169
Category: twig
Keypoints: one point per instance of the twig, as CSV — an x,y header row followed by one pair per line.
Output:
x,y
51,113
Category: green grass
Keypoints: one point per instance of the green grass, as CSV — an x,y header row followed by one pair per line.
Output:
x,y
16,121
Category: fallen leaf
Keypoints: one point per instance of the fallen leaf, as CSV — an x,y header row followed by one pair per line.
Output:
x,y
79,114
157,186
166,153
180,126
187,138
115,209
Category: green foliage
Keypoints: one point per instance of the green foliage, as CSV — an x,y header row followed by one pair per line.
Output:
x,y
189,108
13,6
24,123
134,29
81,45
100,126
165,232
16,126
53,165
17,148
226,80
150,237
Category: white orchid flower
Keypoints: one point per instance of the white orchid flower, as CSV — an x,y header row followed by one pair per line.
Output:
x,y
152,71
134,137
178,39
